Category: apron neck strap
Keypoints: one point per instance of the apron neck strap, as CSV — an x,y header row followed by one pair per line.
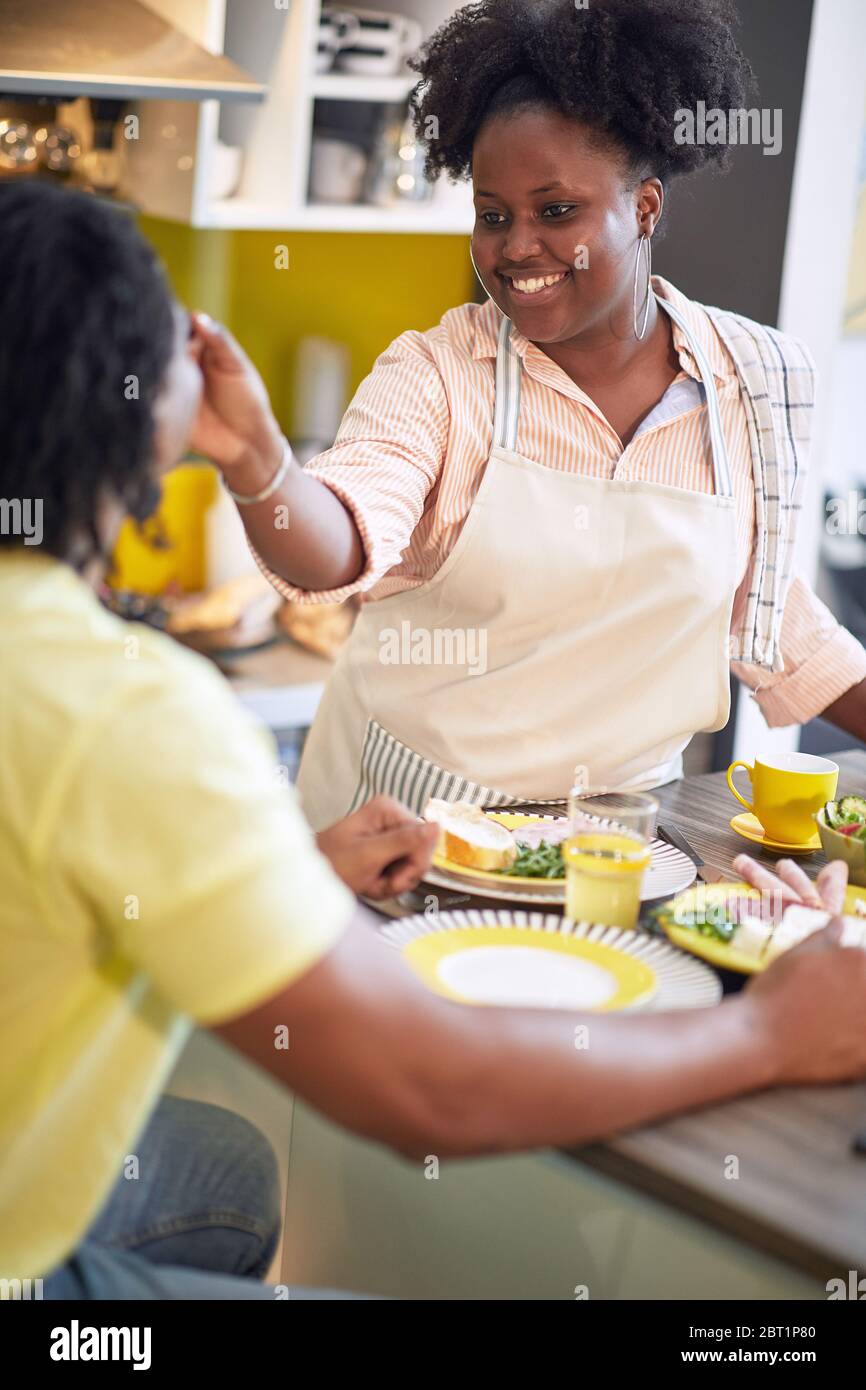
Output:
x,y
507,409
721,466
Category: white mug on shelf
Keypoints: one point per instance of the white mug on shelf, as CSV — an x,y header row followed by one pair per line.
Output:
x,y
337,169
225,170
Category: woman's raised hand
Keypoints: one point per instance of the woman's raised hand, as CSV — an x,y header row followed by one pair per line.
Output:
x,y
235,427
237,430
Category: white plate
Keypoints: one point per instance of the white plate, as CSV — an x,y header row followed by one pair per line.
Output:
x,y
498,974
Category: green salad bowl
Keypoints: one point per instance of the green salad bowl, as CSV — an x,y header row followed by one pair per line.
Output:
x,y
837,846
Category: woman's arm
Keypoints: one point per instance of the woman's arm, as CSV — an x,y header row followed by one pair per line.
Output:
x,y
849,711
303,532
339,525
825,667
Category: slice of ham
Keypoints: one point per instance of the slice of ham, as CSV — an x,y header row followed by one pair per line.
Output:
x,y
769,884
552,832
787,885
792,874
831,884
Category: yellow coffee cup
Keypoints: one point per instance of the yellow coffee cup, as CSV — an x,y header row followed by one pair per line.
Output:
x,y
787,790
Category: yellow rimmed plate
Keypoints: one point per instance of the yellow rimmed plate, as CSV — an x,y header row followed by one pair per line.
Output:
x,y
669,872
538,960
723,954
511,822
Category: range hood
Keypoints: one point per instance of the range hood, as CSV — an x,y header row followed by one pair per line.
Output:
x,y
109,48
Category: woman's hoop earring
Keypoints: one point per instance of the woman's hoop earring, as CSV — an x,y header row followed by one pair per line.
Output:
x,y
474,266
481,282
649,285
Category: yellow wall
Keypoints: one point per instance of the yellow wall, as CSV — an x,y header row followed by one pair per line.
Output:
x,y
361,290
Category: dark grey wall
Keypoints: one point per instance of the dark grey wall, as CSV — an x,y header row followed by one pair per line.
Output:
x,y
725,237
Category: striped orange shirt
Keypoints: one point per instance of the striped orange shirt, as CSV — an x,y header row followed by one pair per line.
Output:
x,y
413,444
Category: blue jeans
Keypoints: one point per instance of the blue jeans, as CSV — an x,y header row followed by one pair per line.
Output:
x,y
201,1221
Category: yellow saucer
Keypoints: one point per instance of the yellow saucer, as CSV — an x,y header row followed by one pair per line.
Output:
x,y
750,828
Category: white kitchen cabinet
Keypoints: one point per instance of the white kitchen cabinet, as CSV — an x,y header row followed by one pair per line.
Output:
x,y
172,167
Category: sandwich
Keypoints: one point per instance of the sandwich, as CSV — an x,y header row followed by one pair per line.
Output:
x,y
468,837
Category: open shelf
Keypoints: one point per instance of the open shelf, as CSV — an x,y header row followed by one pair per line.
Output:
x,y
448,219
173,168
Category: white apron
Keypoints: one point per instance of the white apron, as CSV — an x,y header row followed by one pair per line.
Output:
x,y
578,622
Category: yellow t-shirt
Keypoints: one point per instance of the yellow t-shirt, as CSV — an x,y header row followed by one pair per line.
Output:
x,y
154,868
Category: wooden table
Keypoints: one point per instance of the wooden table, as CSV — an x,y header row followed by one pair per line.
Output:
x,y
801,1193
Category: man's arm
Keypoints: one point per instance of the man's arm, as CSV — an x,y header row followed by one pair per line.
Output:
x,y
377,1052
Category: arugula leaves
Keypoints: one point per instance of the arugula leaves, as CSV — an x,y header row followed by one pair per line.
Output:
x,y
544,862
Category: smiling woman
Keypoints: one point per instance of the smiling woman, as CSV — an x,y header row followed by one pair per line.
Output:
x,y
564,288
591,472
582,123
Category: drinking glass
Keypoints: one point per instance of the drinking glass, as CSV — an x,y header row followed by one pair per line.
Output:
x,y
607,854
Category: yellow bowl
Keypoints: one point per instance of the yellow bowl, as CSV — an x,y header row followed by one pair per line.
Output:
x,y
837,846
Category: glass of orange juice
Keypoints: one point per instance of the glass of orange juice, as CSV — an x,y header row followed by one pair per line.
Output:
x,y
607,854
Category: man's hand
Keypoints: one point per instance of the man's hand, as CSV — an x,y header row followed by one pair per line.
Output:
x,y
810,1010
381,850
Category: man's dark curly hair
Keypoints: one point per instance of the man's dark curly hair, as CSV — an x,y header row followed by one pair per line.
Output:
x,y
84,307
622,67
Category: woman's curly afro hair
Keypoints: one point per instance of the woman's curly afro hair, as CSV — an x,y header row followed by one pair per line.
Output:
x,y
621,67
